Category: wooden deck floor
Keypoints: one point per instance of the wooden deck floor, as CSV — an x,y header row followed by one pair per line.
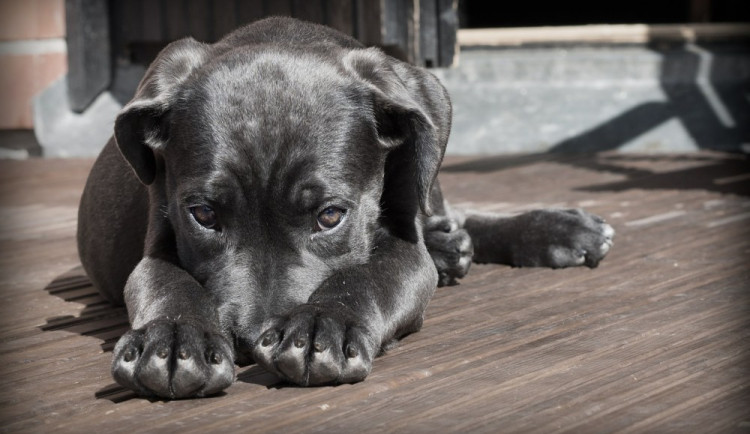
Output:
x,y
657,339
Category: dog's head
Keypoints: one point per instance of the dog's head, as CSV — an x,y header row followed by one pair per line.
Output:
x,y
274,167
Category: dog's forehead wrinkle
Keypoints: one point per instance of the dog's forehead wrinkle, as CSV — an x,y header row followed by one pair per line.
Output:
x,y
274,71
268,85
283,171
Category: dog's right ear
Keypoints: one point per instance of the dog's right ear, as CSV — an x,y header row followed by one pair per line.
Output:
x,y
142,126
412,115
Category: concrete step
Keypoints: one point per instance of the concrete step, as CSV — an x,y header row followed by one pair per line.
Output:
x,y
590,98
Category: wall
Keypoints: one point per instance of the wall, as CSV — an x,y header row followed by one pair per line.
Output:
x,y
32,55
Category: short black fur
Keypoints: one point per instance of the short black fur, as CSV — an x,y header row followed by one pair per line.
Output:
x,y
268,128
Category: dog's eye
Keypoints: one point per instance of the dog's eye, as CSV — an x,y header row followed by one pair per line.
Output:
x,y
204,215
330,217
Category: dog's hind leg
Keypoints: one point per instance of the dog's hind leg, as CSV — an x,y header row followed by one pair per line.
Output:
x,y
554,238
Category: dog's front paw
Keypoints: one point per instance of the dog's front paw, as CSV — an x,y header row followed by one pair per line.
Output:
x,y
315,346
173,360
562,238
450,248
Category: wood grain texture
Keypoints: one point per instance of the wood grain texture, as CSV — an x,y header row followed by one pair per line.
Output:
x,y
657,339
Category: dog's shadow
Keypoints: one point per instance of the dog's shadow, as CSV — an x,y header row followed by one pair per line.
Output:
x,y
98,318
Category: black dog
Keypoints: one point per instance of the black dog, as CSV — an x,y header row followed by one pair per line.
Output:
x,y
272,197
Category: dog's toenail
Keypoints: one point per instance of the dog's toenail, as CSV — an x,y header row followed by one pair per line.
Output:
x,y
129,355
162,353
183,355
300,342
351,352
267,340
319,347
216,358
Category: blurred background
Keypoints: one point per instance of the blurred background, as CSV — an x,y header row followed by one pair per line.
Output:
x,y
531,76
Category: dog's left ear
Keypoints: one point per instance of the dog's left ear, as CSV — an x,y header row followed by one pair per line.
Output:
x,y
412,114
142,126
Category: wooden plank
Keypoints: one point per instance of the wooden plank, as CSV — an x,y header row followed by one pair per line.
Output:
x,y
339,14
128,18
277,7
176,19
249,11
369,22
199,24
309,10
153,21
224,17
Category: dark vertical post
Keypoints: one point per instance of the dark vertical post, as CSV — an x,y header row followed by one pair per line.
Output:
x,y
448,31
89,60
400,38
309,10
248,11
176,19
224,16
369,21
153,21
428,33
200,25
277,7
339,15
